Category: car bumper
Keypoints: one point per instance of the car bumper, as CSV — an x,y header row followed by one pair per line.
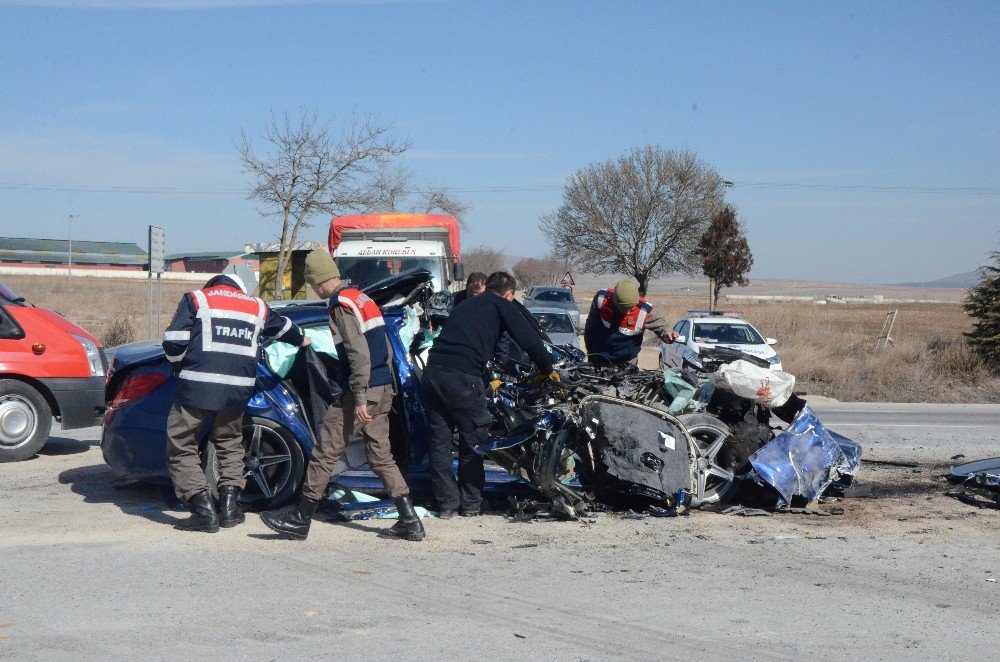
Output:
x,y
80,400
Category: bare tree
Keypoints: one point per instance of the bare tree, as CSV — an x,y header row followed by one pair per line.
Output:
x,y
641,214
483,259
309,167
538,271
390,188
440,198
395,190
725,253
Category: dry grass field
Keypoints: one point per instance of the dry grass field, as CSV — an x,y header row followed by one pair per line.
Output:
x,y
829,348
100,305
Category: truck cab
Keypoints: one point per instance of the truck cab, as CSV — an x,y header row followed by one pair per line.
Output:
x,y
371,247
50,369
366,261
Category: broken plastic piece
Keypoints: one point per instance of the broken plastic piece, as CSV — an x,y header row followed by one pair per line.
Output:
x,y
804,459
678,389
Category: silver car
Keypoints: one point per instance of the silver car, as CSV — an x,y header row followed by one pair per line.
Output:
x,y
551,296
557,323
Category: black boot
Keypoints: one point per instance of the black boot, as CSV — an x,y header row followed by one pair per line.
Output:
x,y
230,513
409,526
291,521
203,514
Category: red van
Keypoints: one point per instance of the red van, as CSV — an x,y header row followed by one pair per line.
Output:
x,y
49,368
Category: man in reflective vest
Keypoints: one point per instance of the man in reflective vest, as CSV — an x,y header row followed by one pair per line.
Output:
x,y
366,377
616,323
213,343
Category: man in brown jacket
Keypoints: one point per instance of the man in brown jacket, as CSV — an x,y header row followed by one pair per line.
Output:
x,y
366,378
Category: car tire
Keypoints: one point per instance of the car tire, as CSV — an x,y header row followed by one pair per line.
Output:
x,y
273,465
708,486
25,421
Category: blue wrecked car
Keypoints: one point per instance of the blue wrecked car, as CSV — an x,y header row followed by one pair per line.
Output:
x,y
602,434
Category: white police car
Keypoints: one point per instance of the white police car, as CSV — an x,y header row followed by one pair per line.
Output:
x,y
711,328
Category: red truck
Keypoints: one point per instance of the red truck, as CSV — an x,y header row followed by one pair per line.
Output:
x,y
371,247
49,368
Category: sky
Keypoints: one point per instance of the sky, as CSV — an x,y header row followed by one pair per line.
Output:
x,y
862,139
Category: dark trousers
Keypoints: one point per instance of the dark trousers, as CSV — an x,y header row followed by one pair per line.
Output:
x,y
184,426
456,400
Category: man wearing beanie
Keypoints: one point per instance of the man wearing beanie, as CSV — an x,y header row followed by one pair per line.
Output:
x,y
616,323
366,377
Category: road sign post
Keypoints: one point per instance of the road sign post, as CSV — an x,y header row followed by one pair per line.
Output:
x,y
157,264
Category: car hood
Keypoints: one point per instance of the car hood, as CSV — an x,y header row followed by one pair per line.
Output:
x,y
399,289
563,338
53,318
763,351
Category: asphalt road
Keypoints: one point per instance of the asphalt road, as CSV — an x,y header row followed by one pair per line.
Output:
x,y
93,570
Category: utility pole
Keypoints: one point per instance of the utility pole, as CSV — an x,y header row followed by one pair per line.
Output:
x,y
70,219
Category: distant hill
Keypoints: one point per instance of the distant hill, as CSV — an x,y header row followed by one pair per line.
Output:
x,y
962,281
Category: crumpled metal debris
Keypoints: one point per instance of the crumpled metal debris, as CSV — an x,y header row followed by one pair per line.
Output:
x,y
744,511
981,479
981,472
805,458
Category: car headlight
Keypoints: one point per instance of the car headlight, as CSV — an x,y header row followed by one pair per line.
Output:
x,y
773,359
93,355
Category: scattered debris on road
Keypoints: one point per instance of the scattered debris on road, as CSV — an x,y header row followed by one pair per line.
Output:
x,y
980,481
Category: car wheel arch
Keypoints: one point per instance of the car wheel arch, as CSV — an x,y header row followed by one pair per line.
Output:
x,y
39,386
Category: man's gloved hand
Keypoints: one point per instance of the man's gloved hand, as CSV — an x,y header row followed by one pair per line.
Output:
x,y
554,376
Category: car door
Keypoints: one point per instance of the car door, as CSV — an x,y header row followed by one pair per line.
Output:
x,y
674,352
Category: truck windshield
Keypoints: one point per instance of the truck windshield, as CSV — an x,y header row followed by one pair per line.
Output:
x,y
361,271
9,298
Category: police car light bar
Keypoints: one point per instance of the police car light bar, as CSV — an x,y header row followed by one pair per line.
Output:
x,y
714,313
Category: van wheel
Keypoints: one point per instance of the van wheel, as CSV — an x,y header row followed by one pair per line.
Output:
x,y
25,421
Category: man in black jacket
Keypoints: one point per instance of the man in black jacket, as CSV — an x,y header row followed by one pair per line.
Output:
x,y
213,343
456,395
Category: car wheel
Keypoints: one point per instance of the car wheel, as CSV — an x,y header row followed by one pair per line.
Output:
x,y
25,421
713,482
273,465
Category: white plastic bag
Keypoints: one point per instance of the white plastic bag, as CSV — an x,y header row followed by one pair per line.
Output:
x,y
771,388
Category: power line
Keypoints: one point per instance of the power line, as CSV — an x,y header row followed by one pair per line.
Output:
x,y
838,188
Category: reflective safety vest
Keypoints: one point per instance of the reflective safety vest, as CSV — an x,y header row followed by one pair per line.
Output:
x,y
619,336
372,325
214,340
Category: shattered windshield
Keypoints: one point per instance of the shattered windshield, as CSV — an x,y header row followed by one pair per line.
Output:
x,y
554,323
729,334
558,296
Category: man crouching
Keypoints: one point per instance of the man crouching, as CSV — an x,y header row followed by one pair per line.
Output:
x,y
365,375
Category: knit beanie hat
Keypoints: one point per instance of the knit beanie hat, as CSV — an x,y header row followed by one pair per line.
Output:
x,y
320,267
